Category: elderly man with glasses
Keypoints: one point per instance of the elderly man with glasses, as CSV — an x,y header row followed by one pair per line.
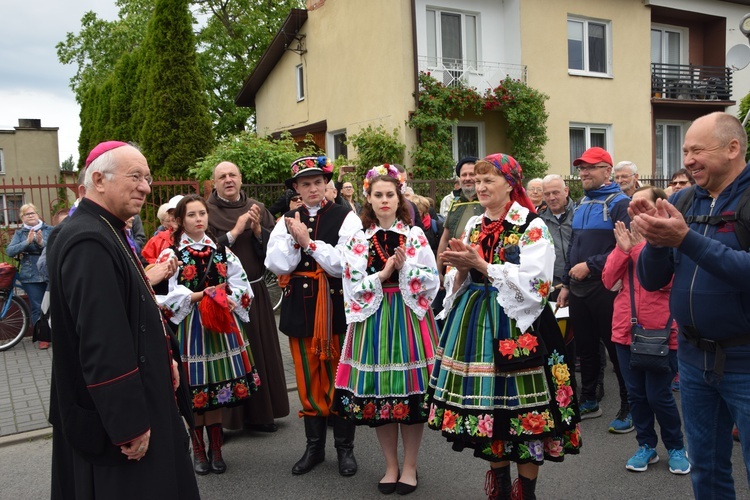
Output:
x,y
591,305
626,175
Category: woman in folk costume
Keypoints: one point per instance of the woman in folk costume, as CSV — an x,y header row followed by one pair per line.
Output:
x,y
501,383
390,279
208,298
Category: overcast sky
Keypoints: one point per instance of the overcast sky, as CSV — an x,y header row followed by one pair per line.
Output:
x,y
33,83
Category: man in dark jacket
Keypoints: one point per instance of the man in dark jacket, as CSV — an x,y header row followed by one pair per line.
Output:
x,y
558,215
710,298
306,244
591,305
112,405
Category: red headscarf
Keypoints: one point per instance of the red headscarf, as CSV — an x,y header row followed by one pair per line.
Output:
x,y
511,170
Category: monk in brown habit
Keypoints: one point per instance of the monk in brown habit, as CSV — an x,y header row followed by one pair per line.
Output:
x,y
243,224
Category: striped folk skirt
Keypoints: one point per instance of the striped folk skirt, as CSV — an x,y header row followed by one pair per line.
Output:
x,y
524,415
385,365
219,366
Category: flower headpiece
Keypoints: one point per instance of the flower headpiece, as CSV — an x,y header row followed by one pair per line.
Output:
x,y
310,165
384,170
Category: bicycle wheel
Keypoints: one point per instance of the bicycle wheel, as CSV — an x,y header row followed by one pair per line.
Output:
x,y
15,322
274,290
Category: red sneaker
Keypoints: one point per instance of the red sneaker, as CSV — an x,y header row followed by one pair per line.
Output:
x,y
43,345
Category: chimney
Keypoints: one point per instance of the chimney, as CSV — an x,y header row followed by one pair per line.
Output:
x,y
29,123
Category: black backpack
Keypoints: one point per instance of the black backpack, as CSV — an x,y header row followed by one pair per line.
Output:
x,y
741,217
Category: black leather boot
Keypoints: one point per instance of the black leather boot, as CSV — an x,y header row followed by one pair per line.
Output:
x,y
200,461
315,431
497,484
343,438
215,442
524,488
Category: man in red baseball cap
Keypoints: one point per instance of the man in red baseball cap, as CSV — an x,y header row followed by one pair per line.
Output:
x,y
591,304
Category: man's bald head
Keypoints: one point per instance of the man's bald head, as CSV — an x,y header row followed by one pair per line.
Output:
x,y
227,181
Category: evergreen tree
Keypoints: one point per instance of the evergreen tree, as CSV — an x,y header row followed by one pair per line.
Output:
x,y
123,99
176,128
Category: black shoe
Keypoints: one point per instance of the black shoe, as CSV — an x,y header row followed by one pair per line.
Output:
x,y
343,437
215,442
405,489
387,488
309,460
262,427
347,462
599,392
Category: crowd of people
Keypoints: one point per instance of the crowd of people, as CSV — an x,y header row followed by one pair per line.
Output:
x,y
397,316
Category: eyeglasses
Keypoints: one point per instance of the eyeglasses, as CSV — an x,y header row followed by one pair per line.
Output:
x,y
348,187
623,177
679,183
589,168
534,189
28,213
295,198
137,178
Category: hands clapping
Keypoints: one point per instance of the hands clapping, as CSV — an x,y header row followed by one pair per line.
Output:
x,y
394,263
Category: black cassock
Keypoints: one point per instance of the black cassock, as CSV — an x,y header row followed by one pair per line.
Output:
x,y
111,374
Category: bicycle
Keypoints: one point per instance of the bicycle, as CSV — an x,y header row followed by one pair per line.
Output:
x,y
15,315
274,290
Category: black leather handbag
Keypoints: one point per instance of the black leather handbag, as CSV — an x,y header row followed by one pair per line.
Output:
x,y
649,349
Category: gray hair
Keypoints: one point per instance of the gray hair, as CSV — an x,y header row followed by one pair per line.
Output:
x,y
104,164
553,177
535,179
626,164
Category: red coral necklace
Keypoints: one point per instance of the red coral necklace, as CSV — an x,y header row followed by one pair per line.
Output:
x,y
199,253
383,253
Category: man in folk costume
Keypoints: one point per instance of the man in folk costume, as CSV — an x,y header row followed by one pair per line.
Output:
x,y
117,432
307,243
244,225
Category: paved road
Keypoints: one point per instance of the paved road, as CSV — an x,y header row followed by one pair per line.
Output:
x,y
259,467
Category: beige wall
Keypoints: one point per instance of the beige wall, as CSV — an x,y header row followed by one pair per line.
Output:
x,y
358,71
622,101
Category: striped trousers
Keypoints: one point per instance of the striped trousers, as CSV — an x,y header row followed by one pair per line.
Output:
x,y
315,377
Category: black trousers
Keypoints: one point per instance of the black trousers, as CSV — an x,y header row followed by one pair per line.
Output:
x,y
591,319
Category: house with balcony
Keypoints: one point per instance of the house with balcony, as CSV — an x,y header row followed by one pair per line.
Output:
x,y
626,75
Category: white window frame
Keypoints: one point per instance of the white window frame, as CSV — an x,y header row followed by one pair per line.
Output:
x,y
331,142
607,40
299,73
684,39
2,162
608,142
467,62
5,213
480,138
661,168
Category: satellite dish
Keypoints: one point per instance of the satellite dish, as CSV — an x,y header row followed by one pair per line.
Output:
x,y
738,56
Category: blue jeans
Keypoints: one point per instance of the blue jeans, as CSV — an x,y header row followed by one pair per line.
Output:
x,y
649,395
710,408
35,293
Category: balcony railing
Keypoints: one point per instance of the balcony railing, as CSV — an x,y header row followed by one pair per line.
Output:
x,y
481,75
690,82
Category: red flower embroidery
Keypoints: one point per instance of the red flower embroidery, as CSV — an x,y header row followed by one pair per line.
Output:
x,y
309,163
423,303
347,273
200,400
449,420
400,411
240,391
367,296
359,249
534,234
422,240
527,341
189,272
498,448
564,395
167,312
355,307
245,300
575,438
222,269
544,289
415,285
368,411
411,251
507,347
534,423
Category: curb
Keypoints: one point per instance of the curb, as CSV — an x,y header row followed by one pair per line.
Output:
x,y
22,437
